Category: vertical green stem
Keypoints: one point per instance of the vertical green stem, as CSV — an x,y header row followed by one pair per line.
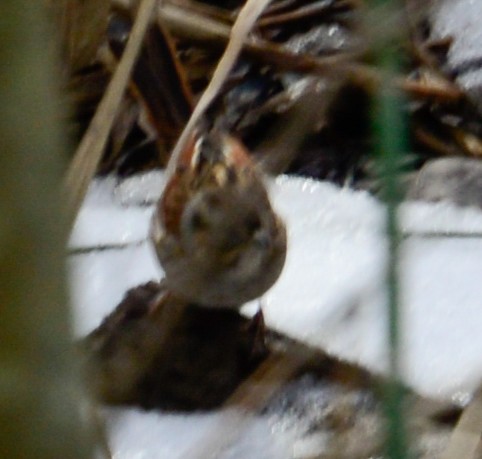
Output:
x,y
39,409
390,134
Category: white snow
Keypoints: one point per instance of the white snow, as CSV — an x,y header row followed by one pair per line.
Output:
x,y
142,435
460,19
99,280
330,294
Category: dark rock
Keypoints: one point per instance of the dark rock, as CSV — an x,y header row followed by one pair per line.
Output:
x,y
157,352
455,179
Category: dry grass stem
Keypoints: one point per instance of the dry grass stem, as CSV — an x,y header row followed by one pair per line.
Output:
x,y
467,433
83,25
88,154
241,28
285,138
197,27
252,395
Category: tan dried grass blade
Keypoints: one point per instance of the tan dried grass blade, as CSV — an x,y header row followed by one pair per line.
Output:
x,y
252,395
88,154
83,24
467,433
241,28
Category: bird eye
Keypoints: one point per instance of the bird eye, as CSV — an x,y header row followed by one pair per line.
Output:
x,y
198,222
253,224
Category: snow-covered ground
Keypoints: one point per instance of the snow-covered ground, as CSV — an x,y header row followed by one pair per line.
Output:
x,y
331,294
460,19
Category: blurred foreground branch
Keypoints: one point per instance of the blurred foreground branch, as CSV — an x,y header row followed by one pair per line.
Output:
x,y
38,404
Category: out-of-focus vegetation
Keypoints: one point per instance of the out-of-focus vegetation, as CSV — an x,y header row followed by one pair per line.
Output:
x,y
38,399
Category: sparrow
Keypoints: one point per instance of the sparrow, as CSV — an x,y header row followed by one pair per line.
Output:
x,y
215,233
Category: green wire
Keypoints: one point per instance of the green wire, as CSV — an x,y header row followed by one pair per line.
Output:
x,y
389,129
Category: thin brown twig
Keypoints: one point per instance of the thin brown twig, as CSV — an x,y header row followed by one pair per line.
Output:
x,y
444,91
201,28
196,27
282,143
307,11
442,147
